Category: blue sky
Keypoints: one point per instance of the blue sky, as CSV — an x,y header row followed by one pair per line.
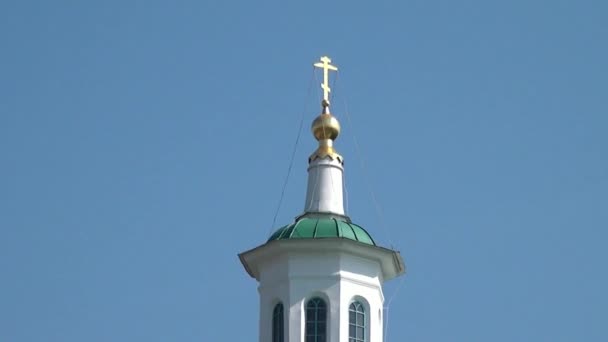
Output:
x,y
144,144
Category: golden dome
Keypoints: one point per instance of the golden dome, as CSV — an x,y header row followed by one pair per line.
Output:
x,y
325,126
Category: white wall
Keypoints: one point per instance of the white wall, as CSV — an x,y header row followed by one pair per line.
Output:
x,y
338,277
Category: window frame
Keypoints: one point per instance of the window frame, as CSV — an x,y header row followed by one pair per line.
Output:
x,y
358,318
278,323
316,328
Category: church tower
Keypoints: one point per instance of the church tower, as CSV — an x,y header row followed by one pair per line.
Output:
x,y
320,277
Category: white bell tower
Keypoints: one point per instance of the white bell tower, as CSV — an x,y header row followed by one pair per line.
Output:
x,y
320,277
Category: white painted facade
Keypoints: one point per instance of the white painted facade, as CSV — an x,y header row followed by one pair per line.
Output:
x,y
325,192
335,269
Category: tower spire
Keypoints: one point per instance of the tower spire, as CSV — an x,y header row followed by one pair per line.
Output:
x,y
325,165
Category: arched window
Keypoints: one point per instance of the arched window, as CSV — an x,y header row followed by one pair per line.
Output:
x,y
277,323
316,320
356,322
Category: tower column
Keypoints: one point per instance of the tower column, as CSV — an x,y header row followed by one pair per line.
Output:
x,y
325,190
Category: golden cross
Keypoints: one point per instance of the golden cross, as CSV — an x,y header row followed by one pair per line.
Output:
x,y
326,66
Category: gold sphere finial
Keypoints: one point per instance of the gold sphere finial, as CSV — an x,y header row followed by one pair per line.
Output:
x,y
325,126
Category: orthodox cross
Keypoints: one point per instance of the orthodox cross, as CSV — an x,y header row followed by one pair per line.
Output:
x,y
325,64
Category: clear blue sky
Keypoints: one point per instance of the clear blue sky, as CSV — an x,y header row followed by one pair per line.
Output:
x,y
143,144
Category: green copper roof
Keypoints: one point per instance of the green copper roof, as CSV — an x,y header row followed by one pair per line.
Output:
x,y
317,228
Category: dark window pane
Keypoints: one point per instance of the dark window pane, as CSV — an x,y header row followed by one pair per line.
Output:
x,y
359,333
277,323
360,319
321,314
310,314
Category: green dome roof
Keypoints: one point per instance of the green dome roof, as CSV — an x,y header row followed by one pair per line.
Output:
x,y
317,228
